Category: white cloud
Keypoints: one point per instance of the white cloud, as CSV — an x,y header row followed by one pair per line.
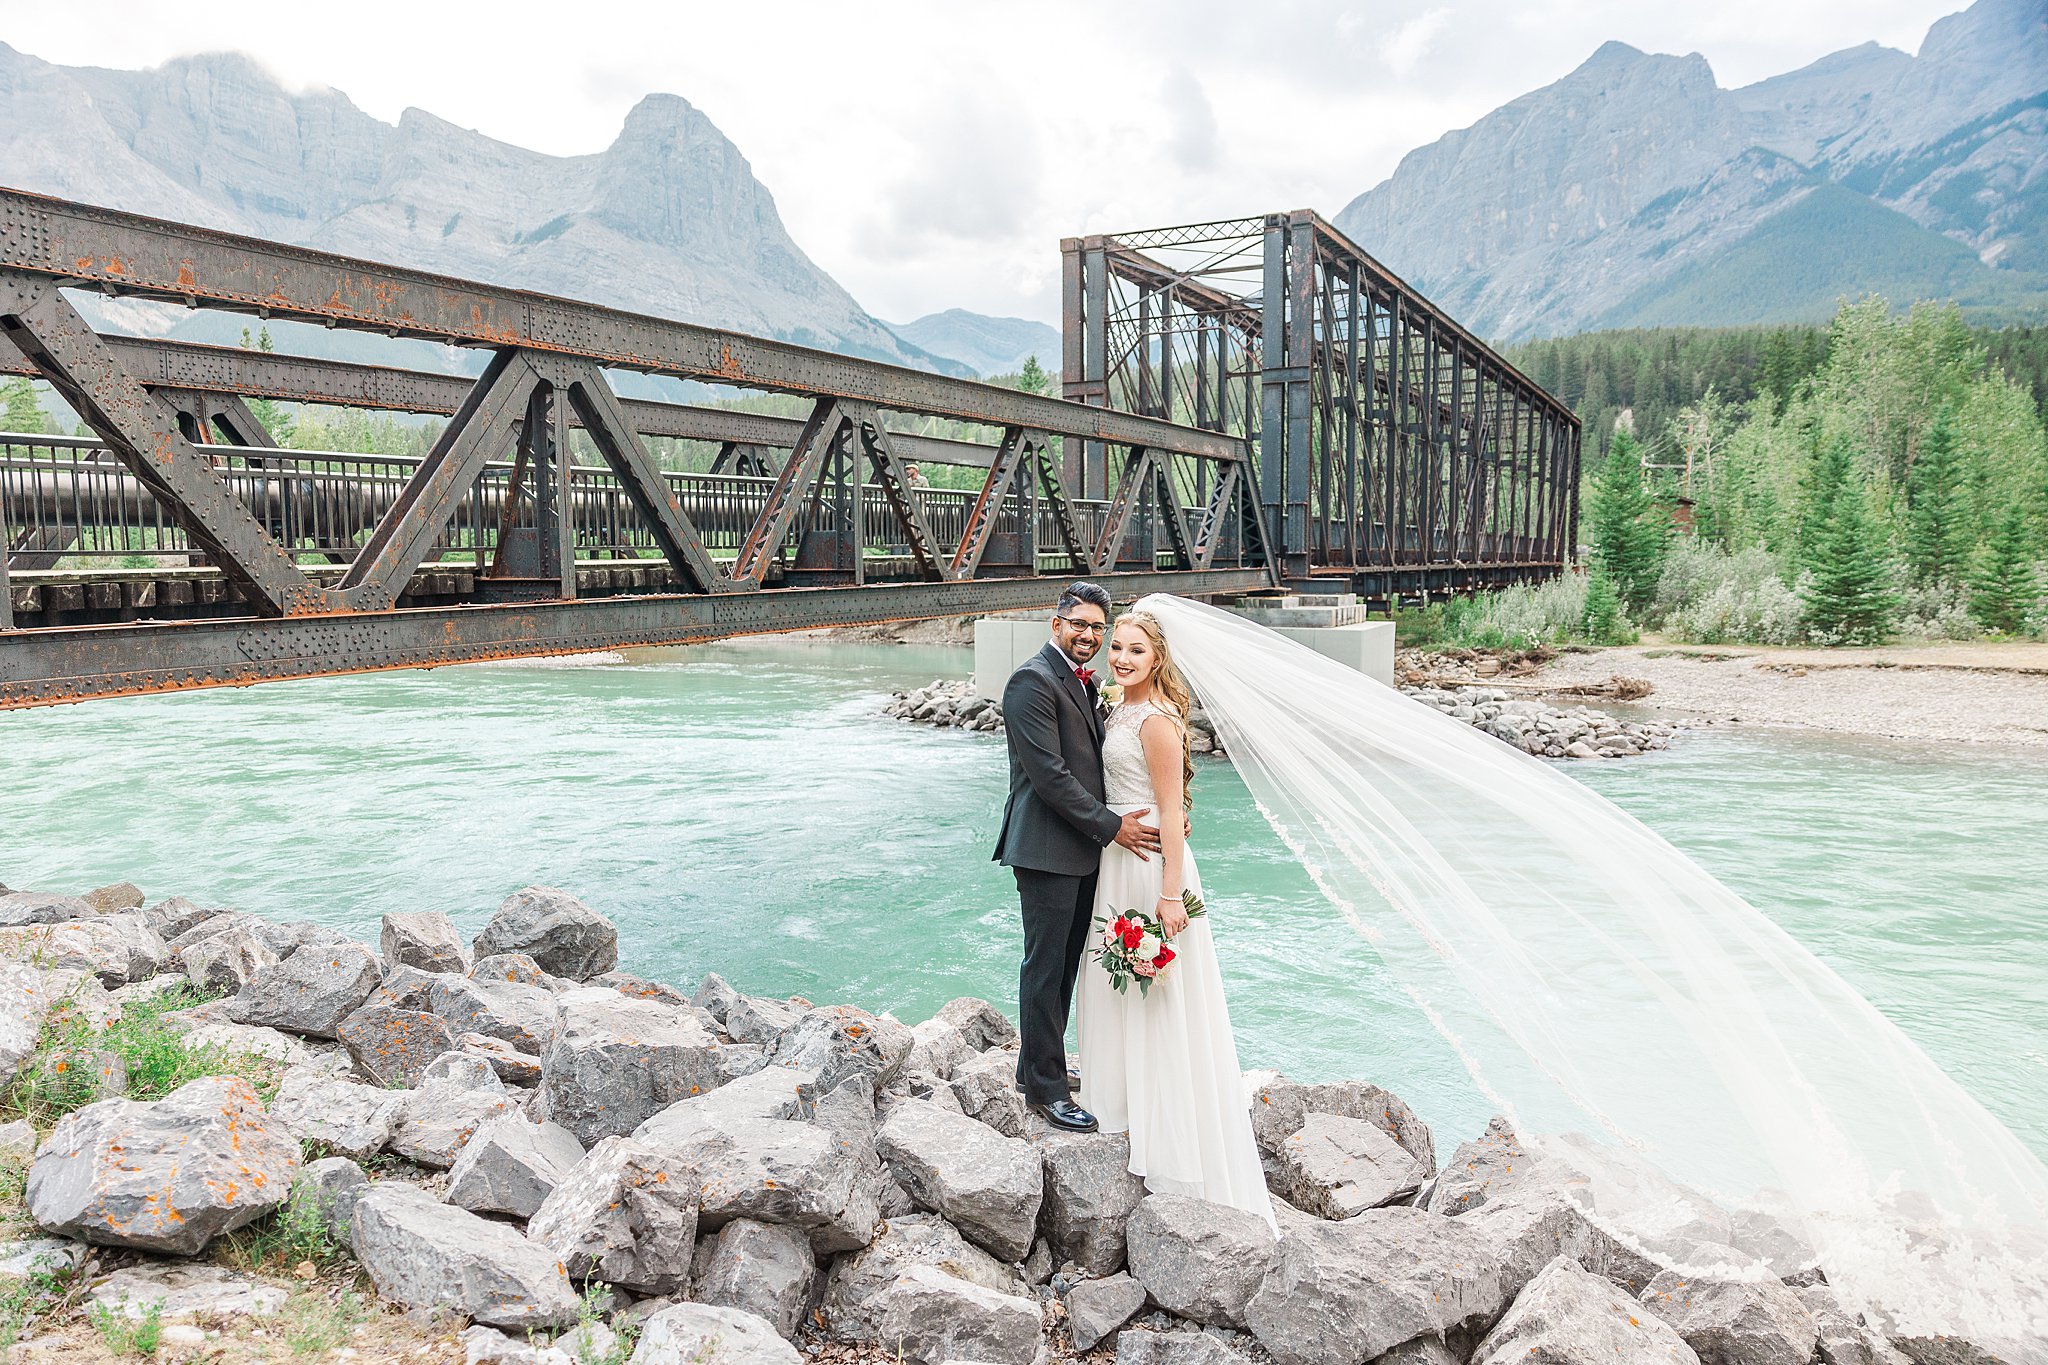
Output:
x,y
931,154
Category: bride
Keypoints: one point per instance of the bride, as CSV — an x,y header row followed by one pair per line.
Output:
x,y
1162,1065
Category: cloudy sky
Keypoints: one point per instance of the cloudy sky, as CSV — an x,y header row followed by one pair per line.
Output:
x,y
931,153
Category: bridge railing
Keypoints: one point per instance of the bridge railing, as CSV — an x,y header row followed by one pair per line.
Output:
x,y
62,495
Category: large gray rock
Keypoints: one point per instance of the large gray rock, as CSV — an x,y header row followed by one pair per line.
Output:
x,y
511,1164
459,1068
1841,1337
765,1269
489,1346
715,995
617,1062
347,1119
1281,1106
987,1185
1334,1166
113,899
855,1283
405,988
437,1120
522,1015
174,915
41,907
1495,1166
18,1140
421,1253
181,1293
225,962
836,1041
331,1186
930,1317
627,1215
1344,1293
985,1087
394,1046
512,1066
1090,1195
311,991
117,949
425,939
639,988
1569,1316
782,1171
562,934
30,997
1537,1225
519,969
757,1019
168,1176
710,1334
937,1046
1097,1308
776,1092
1734,1323
980,1023
1145,1347
1197,1259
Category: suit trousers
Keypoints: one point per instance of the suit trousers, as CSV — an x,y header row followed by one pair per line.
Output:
x,y
1058,912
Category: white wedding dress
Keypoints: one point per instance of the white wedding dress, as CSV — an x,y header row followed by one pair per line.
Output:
x,y
1163,1066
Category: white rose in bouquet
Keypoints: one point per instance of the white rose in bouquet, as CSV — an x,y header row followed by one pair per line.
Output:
x,y
1148,948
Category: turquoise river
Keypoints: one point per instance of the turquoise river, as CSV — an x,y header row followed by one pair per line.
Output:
x,y
748,809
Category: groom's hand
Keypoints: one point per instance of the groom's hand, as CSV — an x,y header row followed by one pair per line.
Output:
x,y
1137,836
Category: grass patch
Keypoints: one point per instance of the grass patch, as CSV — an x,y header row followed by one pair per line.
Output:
x,y
126,1336
314,1324
590,1312
36,1296
158,1057
294,1235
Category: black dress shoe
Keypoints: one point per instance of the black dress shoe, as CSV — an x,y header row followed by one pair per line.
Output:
x,y
1073,1081
1068,1115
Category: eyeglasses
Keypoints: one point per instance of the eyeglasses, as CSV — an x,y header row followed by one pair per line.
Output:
x,y
1085,627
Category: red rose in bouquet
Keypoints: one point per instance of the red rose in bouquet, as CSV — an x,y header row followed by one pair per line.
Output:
x,y
1134,945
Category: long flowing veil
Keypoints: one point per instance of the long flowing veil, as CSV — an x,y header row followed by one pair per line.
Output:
x,y
1632,1017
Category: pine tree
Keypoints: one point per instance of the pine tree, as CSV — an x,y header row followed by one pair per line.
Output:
x,y
21,410
1938,521
1830,476
2004,588
1603,621
269,412
1033,378
1849,597
1627,526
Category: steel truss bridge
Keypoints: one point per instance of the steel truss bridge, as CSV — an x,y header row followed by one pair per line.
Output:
x,y
1398,454
218,558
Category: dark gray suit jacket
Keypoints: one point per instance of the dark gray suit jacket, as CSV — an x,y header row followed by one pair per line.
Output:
x,y
1055,819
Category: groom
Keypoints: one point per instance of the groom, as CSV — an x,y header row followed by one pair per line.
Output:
x,y
1055,827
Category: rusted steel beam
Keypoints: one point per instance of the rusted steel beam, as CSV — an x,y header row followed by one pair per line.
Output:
x,y
127,253
995,491
1123,507
792,485
895,484
44,667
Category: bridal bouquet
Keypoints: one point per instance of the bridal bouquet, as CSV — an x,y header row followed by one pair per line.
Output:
x,y
1135,947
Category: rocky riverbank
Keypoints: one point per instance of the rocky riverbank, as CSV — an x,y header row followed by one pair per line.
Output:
x,y
1535,727
234,1139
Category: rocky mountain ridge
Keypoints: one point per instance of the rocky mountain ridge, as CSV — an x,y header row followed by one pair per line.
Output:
x,y
1637,182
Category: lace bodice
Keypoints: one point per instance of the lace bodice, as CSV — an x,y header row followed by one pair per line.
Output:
x,y
1126,780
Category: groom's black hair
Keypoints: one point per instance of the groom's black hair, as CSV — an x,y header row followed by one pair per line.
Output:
x,y
1086,592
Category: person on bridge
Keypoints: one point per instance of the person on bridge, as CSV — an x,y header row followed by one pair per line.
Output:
x,y
1055,826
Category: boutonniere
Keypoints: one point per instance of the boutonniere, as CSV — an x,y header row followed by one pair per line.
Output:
x,y
1106,698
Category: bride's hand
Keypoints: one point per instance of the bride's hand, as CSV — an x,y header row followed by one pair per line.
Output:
x,y
1173,915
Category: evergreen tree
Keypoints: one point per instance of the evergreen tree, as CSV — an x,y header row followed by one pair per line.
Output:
x,y
21,410
1849,597
1603,622
2004,588
271,413
1628,527
1033,378
1938,520
1828,480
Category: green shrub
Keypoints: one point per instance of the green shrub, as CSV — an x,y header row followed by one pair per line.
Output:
x,y
1707,596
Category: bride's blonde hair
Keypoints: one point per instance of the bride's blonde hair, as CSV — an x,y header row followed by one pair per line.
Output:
x,y
1168,683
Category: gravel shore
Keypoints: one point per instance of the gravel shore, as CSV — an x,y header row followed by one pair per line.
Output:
x,y
1961,693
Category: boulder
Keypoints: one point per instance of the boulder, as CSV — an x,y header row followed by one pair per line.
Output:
x,y
715,995
1097,1308
459,1068
782,1171
18,908
1841,1337
937,1046
310,992
512,1066
17,1140
1345,1293
1142,1346
855,1283
287,937
1090,1195
331,1186
987,1185
626,1214
117,949
1281,1106
517,968
489,1346
1423,1351
929,1317
766,1270
560,933
426,939
1495,1166
639,988
522,1015
778,1092
167,1176
33,1257
617,1062
181,1293
225,962
27,997
985,1086
393,1046
1334,1166
836,1041
437,1120
405,988
249,1040
347,1119
174,915
1199,1260
1537,1225
1729,1322
709,1334
980,1023
757,1019
111,900
1570,1316
421,1253
184,930
510,1165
